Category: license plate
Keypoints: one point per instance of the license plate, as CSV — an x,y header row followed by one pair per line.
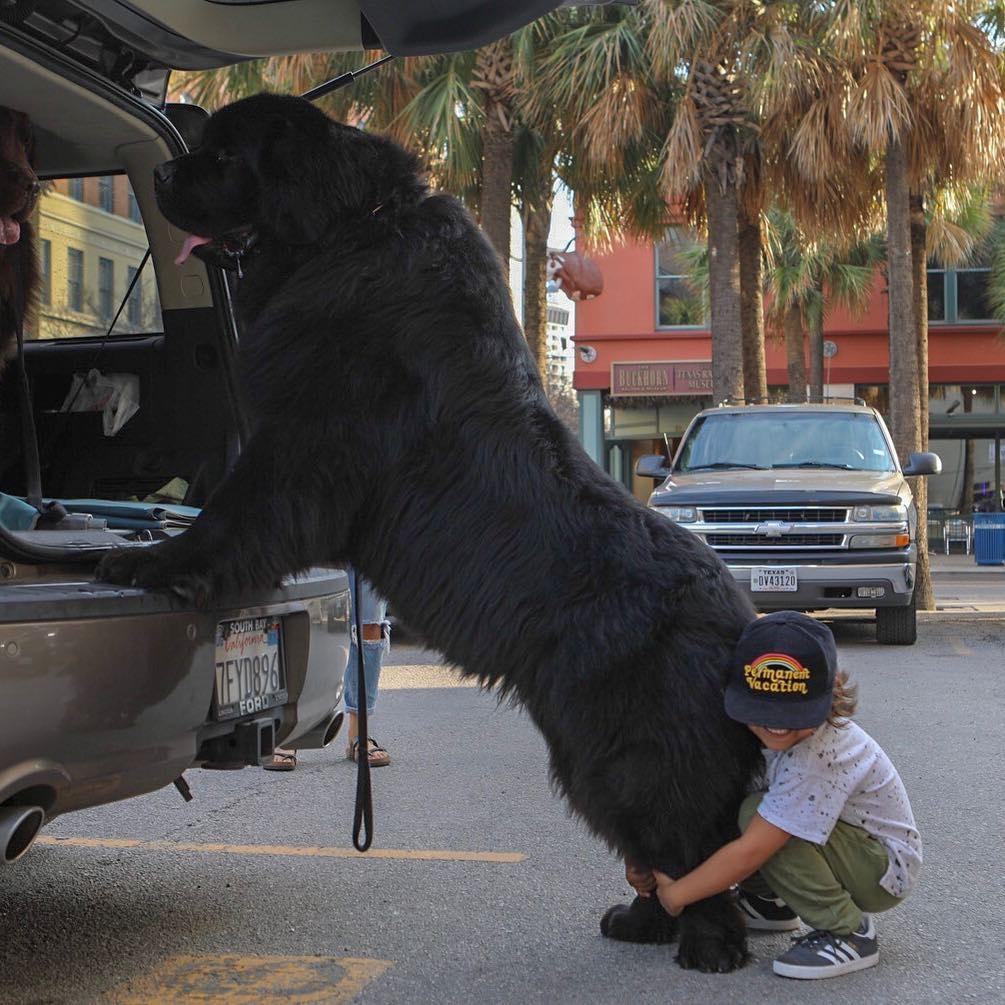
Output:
x,y
250,675
773,580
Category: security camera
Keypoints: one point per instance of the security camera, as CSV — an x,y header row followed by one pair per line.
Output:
x,y
587,353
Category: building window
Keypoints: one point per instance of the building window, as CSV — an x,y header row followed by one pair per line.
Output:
x,y
74,279
75,186
106,194
134,309
45,260
961,294
678,303
134,208
106,288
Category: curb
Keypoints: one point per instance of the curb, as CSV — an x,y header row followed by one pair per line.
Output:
x,y
962,613
977,570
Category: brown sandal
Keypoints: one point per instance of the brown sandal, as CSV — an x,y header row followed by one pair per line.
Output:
x,y
281,760
379,757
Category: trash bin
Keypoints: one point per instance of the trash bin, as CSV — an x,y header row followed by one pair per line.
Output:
x,y
989,538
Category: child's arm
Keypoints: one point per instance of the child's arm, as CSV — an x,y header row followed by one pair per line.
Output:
x,y
730,864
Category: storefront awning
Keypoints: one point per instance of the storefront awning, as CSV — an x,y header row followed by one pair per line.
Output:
x,y
966,426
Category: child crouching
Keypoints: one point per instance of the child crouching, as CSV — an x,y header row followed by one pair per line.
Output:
x,y
832,840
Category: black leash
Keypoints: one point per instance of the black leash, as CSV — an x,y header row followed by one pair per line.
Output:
x,y
362,821
363,812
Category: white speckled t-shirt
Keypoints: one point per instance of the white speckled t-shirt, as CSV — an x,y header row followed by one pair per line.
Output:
x,y
843,774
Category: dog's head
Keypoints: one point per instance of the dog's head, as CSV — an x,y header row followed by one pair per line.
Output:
x,y
280,169
19,186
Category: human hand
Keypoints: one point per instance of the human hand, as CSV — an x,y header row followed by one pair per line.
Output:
x,y
640,878
664,891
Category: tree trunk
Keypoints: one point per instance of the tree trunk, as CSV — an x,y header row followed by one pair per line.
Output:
x,y
497,181
755,381
905,415
815,333
536,224
795,354
919,266
919,269
724,290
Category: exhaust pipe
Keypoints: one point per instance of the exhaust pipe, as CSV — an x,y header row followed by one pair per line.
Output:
x,y
19,826
322,734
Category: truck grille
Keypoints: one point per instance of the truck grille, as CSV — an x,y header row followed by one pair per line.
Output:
x,y
787,514
787,541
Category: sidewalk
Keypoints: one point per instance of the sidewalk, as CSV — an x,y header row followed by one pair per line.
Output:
x,y
959,564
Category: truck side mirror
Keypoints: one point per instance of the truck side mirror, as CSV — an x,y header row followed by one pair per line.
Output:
x,y
923,464
652,466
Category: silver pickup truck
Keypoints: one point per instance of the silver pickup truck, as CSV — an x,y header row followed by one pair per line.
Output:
x,y
807,504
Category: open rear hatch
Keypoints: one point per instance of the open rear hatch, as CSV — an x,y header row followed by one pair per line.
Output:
x,y
127,39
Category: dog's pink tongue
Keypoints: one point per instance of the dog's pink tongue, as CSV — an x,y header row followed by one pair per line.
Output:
x,y
10,230
191,242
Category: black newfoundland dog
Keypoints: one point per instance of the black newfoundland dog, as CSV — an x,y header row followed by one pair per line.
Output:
x,y
401,426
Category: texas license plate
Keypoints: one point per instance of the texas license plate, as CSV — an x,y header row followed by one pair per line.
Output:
x,y
250,675
773,579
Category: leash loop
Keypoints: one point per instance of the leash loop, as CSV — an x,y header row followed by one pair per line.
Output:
x,y
362,821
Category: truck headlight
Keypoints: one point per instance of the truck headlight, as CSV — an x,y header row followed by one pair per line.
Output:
x,y
880,514
679,514
901,540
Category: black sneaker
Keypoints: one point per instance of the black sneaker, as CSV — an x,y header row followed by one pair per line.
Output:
x,y
824,954
766,915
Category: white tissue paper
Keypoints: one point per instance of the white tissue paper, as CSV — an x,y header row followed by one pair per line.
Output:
x,y
115,395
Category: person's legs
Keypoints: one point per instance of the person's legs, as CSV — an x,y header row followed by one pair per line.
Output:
x,y
828,886
373,612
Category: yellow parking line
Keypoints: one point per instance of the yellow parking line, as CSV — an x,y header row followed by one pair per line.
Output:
x,y
961,648
243,979
298,851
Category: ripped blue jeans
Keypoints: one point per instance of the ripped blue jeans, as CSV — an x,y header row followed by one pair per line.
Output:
x,y
373,611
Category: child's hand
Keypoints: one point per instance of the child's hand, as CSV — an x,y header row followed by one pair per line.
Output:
x,y
664,891
640,877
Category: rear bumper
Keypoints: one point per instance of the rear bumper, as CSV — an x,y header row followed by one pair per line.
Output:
x,y
110,689
834,582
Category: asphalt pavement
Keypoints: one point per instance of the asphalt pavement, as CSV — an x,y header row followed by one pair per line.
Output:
x,y
480,888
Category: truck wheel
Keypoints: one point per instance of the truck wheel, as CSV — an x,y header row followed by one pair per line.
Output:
x,y
897,626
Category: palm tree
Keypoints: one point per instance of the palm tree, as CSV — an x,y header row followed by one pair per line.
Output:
x,y
806,277
661,96
916,86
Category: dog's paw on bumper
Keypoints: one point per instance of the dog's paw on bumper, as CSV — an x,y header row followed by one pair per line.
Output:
x,y
149,568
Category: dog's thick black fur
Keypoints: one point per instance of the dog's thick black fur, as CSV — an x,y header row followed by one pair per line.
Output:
x,y
401,426
19,191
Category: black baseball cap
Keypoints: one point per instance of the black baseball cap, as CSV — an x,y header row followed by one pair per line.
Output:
x,y
782,674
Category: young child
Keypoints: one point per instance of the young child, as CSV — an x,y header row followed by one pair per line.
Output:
x,y
833,837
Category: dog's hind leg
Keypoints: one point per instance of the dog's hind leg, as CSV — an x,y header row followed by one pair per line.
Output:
x,y
713,936
643,920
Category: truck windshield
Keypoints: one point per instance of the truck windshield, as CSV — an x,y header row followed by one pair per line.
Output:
x,y
849,441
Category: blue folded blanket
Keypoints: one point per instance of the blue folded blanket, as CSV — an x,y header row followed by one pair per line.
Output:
x,y
134,515
16,514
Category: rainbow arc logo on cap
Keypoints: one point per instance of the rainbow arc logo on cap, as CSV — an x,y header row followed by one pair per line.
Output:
x,y
778,673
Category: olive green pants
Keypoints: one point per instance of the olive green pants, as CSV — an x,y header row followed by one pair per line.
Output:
x,y
829,885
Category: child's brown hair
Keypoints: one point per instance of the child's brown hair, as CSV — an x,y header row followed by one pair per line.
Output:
x,y
845,700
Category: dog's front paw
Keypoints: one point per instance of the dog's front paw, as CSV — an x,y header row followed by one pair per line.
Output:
x,y
156,568
711,950
643,920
